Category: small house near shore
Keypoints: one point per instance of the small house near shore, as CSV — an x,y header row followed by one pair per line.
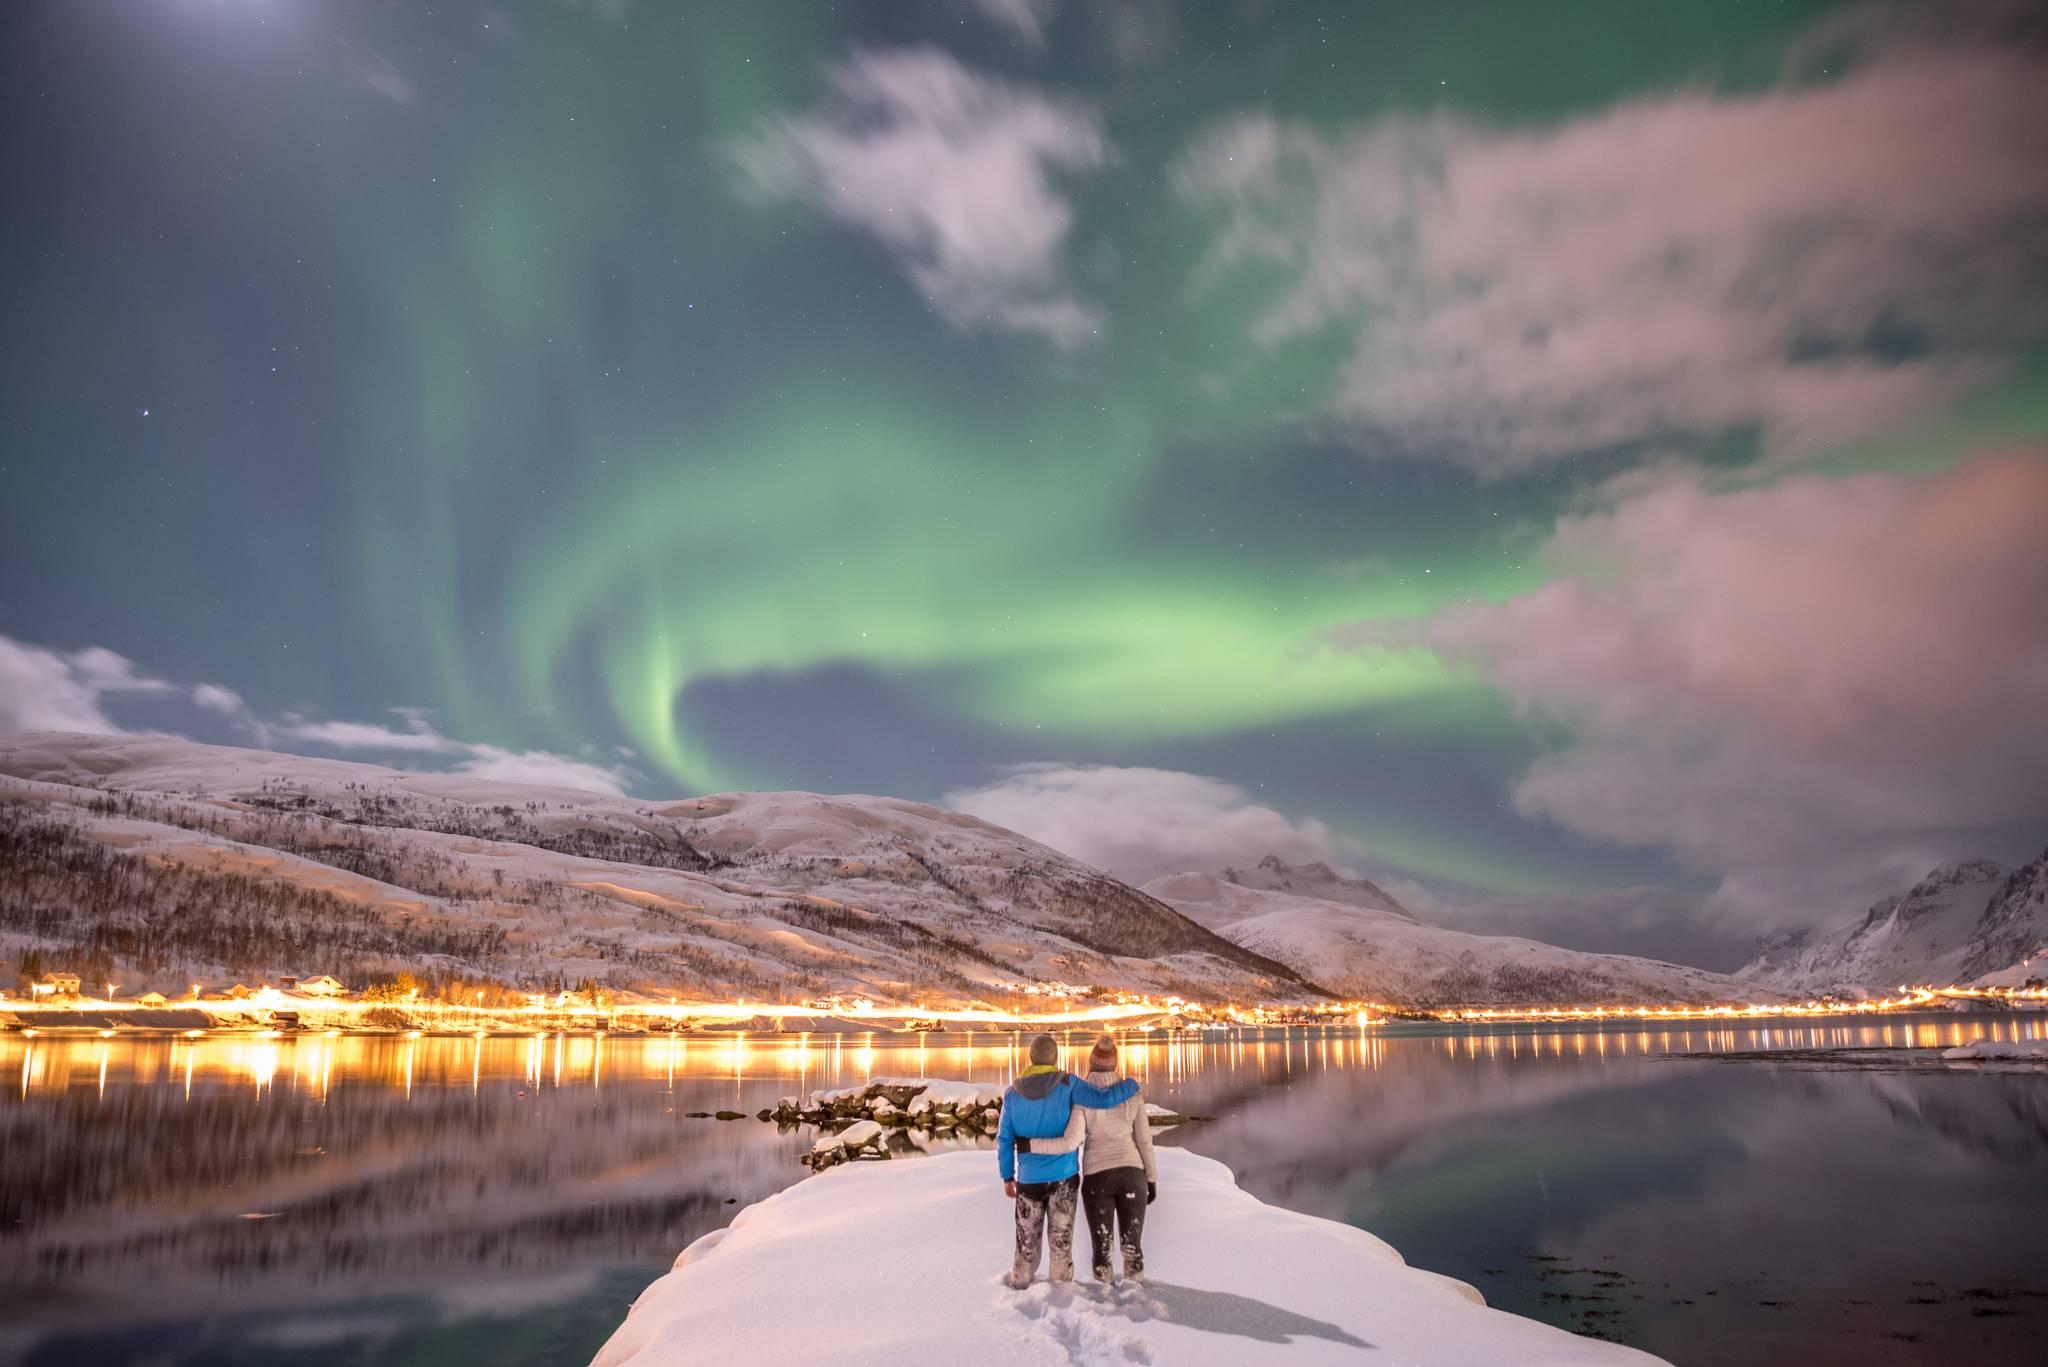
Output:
x,y
153,999
321,986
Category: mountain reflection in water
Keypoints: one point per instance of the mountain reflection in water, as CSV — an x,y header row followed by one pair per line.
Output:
x,y
1791,1192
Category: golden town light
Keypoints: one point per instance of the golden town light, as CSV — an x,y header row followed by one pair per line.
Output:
x,y
331,1014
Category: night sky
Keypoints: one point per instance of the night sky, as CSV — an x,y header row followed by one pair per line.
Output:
x,y
1585,464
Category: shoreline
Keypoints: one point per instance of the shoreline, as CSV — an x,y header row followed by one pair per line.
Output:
x,y
189,1023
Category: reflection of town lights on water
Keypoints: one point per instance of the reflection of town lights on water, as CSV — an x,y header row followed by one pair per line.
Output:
x,y
310,1066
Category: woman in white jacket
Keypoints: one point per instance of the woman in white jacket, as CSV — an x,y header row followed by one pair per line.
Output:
x,y
1119,1176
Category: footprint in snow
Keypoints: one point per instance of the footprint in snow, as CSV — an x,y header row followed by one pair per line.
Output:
x,y
1078,1319
1089,1342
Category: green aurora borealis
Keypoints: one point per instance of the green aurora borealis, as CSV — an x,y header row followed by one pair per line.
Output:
x,y
477,384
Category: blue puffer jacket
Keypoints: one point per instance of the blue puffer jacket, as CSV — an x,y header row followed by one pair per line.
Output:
x,y
1037,1106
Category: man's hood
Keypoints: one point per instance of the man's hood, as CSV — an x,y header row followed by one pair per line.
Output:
x,y
1036,1084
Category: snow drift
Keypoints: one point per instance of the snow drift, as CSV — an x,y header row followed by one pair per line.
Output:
x,y
899,1262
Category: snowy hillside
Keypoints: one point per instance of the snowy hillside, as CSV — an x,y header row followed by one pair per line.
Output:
x,y
173,860
1383,953
1960,922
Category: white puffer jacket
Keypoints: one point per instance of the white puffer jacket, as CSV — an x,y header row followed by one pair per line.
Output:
x,y
1119,1137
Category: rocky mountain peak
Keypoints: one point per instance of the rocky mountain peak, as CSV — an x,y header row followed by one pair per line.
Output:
x,y
1961,921
1958,874
1317,872
2014,929
1274,874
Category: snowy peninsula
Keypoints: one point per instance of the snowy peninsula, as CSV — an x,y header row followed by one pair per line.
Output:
x,y
898,1262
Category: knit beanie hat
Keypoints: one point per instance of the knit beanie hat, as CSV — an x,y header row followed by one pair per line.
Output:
x,y
1102,1058
1045,1050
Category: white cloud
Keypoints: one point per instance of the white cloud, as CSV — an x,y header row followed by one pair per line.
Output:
x,y
103,671
378,73
48,690
43,690
1026,18
951,170
215,698
542,768
1813,261
1814,691
1140,823
419,738
1655,922
478,760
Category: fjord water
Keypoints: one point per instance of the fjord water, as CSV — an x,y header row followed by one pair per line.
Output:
x,y
1778,1192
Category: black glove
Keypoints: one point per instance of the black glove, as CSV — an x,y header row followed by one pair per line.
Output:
x,y
1151,1192
1023,1143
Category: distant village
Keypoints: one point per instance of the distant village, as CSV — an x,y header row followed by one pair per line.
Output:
x,y
60,999
63,1001
58,986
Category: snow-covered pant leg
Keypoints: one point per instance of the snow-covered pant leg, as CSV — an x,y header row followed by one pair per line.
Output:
x,y
1060,1216
1130,1222
1098,1204
1116,1205
1032,1200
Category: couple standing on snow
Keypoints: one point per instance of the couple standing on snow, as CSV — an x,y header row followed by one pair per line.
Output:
x,y
1047,1115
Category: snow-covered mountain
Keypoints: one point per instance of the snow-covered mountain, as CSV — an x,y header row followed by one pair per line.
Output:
x,y
173,860
2009,944
1359,942
1962,921
1320,881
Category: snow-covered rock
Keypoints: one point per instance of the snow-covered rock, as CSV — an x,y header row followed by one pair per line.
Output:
x,y
1384,953
1961,922
935,1106
952,1092
858,1135
1232,1283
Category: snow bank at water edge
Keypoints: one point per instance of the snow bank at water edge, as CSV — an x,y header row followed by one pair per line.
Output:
x,y
2020,1051
900,1262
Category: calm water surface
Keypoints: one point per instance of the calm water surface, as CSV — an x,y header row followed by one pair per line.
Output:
x,y
1779,1193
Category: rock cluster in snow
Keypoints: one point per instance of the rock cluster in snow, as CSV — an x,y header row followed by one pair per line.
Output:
x,y
874,1121
857,1122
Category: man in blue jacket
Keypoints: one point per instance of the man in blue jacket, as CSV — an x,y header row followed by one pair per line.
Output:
x,y
1045,1185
